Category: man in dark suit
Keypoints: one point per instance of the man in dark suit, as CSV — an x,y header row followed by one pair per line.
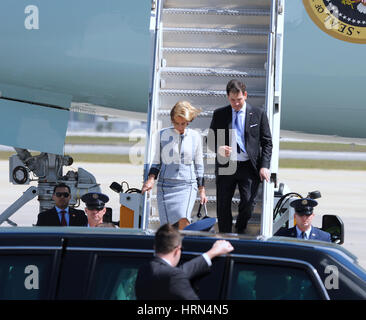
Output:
x,y
241,138
304,216
161,278
61,214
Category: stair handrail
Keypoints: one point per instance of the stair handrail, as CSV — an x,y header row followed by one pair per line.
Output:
x,y
274,65
157,6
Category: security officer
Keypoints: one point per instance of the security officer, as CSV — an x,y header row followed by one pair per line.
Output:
x,y
95,207
304,215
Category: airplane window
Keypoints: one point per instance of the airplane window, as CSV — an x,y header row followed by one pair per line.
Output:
x,y
24,277
268,282
115,277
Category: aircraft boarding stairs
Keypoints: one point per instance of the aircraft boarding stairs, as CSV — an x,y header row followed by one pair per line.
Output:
x,y
203,45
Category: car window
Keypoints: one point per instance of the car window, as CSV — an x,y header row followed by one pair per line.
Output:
x,y
271,282
25,277
115,277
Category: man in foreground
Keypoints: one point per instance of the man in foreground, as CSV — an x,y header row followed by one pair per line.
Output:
x,y
161,279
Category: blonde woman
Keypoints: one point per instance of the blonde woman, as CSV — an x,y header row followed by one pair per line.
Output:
x,y
178,166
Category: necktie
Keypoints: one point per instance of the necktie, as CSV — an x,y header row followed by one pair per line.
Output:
x,y
180,142
63,219
239,132
303,235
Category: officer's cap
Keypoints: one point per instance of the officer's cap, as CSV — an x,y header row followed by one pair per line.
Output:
x,y
304,206
201,225
95,200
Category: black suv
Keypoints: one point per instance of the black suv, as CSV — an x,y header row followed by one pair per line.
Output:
x,y
102,263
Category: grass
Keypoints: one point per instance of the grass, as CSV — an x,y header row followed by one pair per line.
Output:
x,y
322,164
283,163
315,146
102,158
101,140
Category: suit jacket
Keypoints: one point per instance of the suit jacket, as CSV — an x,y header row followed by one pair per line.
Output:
x,y
159,280
257,134
51,218
315,234
171,162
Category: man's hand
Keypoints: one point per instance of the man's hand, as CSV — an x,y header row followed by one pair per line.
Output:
x,y
219,248
264,174
224,151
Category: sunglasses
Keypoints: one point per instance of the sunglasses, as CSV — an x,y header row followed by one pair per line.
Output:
x,y
62,194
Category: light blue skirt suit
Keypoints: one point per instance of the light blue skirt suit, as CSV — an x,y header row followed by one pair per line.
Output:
x,y
178,165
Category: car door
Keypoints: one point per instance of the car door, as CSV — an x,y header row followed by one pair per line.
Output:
x,y
209,285
114,273
29,272
272,278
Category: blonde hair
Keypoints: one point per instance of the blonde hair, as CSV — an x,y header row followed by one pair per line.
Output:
x,y
185,110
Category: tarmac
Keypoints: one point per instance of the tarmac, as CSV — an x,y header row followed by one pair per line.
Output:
x,y
343,193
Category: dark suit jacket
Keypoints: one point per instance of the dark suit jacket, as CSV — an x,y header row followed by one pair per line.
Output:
x,y
50,218
315,234
258,139
158,280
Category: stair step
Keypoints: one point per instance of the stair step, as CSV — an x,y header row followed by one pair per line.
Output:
x,y
203,102
204,99
216,93
212,198
217,11
213,72
210,78
216,38
219,31
238,59
253,4
203,114
215,18
206,93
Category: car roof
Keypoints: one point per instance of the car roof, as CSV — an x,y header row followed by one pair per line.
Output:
x,y
83,232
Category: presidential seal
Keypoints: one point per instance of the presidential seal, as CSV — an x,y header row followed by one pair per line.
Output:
x,y
341,19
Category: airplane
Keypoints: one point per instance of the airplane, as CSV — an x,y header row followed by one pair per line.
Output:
x,y
97,57
323,75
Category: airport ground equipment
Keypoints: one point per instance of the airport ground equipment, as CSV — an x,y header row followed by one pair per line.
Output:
x,y
47,170
131,201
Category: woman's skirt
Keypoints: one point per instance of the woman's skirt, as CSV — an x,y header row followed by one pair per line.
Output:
x,y
175,200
